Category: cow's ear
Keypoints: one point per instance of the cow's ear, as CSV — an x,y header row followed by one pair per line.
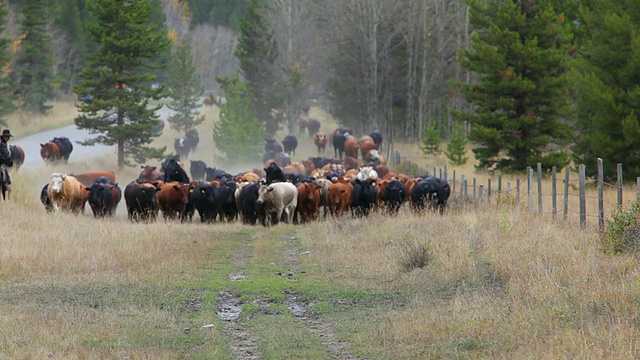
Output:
x,y
176,187
41,145
86,188
270,188
141,166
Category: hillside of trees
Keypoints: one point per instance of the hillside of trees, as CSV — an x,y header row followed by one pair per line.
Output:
x,y
527,80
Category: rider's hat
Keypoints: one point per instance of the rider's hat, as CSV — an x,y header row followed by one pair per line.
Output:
x,y
6,132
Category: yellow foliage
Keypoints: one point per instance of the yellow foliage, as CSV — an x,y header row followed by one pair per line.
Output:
x,y
17,42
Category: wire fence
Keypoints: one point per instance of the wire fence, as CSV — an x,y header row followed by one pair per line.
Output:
x,y
562,195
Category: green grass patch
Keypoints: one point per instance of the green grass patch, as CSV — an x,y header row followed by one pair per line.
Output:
x,y
282,337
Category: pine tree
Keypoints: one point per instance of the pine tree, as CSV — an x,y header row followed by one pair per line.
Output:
x,y
238,133
116,80
6,96
186,90
519,54
257,51
33,59
605,87
457,146
431,140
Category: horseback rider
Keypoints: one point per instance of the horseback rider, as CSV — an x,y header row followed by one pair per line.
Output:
x,y
5,156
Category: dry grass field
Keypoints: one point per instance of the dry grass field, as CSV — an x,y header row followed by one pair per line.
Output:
x,y
496,282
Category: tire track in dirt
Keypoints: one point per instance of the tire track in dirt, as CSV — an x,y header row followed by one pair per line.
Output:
x,y
242,344
325,332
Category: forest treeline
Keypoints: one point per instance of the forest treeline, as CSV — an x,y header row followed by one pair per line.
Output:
x,y
527,80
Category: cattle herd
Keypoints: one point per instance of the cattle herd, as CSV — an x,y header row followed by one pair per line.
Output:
x,y
357,182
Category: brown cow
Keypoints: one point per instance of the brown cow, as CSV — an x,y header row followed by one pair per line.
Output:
x,y
150,173
375,157
339,197
380,185
351,174
247,177
67,193
410,184
351,147
320,139
365,147
172,199
382,170
308,202
350,163
87,179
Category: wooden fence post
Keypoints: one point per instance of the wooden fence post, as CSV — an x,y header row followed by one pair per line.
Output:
x,y
474,192
518,190
453,183
553,193
600,194
446,174
462,185
499,183
539,168
565,209
530,187
489,189
466,189
583,192
620,184
480,193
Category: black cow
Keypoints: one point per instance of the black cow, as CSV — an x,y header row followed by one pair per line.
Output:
x,y
394,195
198,170
216,174
104,197
274,174
363,197
319,162
181,146
290,143
338,144
65,146
313,126
271,145
225,201
202,200
193,139
44,198
431,192
248,203
377,137
174,172
141,201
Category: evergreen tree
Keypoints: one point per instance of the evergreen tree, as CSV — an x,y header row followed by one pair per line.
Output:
x,y
115,80
518,52
605,87
257,51
457,146
186,90
33,59
431,140
238,133
6,96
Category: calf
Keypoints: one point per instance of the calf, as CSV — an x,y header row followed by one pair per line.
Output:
x,y
394,195
141,201
172,199
278,199
248,204
431,192
198,170
339,197
290,143
202,200
363,197
308,202
320,139
104,197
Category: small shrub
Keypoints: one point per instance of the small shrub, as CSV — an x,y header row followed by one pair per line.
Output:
x,y
415,255
622,230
